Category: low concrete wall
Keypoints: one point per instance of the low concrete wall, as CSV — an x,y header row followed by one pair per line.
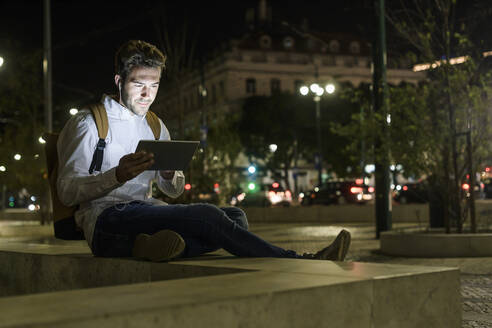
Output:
x,y
418,213
20,214
336,213
427,244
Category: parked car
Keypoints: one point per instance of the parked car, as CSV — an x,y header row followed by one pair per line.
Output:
x,y
413,192
338,192
272,194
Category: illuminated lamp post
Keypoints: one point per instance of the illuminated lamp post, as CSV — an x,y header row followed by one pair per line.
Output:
x,y
317,92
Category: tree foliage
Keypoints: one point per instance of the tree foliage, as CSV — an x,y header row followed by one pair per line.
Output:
x,y
22,122
289,122
428,120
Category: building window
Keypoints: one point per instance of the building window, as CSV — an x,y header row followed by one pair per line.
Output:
x,y
275,86
334,46
214,94
221,89
297,85
251,86
310,44
288,42
354,47
265,42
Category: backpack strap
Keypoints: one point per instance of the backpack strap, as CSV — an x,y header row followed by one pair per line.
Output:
x,y
154,124
101,118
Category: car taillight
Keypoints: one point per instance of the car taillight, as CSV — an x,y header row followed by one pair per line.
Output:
x,y
356,190
359,181
371,189
405,188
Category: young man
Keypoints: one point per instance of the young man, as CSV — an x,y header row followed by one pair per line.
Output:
x,y
116,211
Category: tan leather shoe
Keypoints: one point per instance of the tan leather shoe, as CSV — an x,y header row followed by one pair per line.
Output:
x,y
336,251
164,245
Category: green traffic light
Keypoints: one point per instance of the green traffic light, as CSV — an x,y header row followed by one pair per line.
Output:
x,y
251,186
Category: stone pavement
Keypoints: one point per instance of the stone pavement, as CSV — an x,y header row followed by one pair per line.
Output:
x,y
476,278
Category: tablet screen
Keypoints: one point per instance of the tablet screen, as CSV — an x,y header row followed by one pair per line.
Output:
x,y
169,154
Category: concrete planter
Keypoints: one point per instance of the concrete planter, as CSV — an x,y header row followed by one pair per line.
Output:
x,y
436,244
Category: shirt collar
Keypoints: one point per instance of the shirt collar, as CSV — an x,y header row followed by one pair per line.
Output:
x,y
115,110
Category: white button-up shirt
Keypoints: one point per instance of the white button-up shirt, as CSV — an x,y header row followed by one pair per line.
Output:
x,y
100,190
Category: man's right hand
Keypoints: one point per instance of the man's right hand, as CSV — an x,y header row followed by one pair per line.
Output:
x,y
132,165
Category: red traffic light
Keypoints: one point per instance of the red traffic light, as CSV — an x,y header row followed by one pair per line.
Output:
x,y
187,186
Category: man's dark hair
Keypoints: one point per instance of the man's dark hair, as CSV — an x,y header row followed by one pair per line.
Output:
x,y
136,53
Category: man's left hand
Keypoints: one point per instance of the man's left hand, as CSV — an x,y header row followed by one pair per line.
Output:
x,y
168,175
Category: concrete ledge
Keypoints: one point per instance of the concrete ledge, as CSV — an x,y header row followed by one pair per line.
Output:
x,y
438,244
224,292
336,213
418,213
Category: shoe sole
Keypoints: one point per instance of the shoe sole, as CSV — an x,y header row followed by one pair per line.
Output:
x,y
344,245
164,245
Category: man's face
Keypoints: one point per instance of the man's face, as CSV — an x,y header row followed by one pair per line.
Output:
x,y
138,91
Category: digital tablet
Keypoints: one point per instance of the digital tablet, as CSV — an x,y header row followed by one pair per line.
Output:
x,y
169,154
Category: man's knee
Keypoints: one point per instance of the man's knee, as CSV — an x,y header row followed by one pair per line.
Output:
x,y
238,216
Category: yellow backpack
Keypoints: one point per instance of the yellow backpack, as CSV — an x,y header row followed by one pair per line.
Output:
x,y
63,216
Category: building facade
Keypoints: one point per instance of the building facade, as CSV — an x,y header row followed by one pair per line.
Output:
x,y
270,57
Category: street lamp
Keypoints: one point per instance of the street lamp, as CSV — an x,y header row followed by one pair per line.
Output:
x,y
1,61
317,92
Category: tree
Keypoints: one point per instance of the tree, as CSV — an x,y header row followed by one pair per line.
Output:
x,y
456,94
288,121
21,124
178,38
280,120
428,120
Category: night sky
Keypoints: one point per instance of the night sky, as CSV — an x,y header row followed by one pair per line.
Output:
x,y
85,34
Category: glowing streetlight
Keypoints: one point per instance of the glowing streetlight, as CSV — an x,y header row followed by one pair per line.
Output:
x,y
304,90
41,140
314,87
1,61
318,92
330,88
73,111
251,169
273,148
3,168
17,157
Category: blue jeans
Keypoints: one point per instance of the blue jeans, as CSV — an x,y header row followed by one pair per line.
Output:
x,y
204,228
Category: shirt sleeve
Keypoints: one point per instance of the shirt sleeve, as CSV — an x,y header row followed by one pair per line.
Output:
x,y
76,145
174,187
